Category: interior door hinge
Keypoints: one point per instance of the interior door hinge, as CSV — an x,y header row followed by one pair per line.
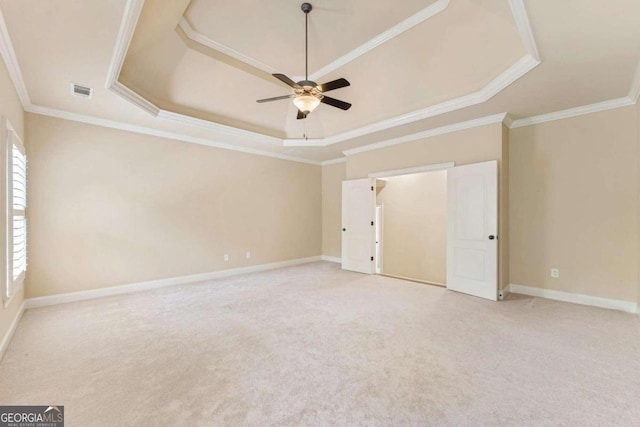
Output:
x,y
371,258
371,223
372,188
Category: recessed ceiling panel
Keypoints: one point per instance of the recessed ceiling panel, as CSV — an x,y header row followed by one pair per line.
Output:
x,y
272,31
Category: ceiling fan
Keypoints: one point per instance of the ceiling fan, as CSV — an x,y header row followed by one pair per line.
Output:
x,y
307,94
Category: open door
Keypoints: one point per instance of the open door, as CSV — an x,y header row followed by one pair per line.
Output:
x,y
472,229
358,230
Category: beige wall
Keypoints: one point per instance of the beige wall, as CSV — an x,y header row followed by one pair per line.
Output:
x,y
415,226
11,109
574,204
463,147
109,207
332,177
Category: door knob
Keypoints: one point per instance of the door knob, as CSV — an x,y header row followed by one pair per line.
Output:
x,y
344,229
491,237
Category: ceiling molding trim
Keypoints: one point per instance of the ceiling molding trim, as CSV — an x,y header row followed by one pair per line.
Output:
x,y
131,96
524,27
51,112
333,161
482,121
382,38
573,112
508,120
634,92
200,38
132,11
513,73
517,70
217,127
11,62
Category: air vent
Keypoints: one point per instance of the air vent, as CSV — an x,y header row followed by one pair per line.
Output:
x,y
82,91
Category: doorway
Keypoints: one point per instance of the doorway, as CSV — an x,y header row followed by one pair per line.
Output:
x,y
411,236
471,227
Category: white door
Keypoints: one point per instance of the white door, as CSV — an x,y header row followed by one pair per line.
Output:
x,y
358,231
472,229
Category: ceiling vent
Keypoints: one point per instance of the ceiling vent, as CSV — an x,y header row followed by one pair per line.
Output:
x,y
81,91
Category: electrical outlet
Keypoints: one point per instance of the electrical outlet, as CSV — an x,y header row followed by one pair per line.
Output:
x,y
555,273
248,255
226,257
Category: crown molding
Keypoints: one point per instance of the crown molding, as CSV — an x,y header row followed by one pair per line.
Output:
x,y
573,112
376,41
483,121
131,96
224,130
200,38
11,62
634,92
51,112
524,27
383,37
517,70
132,11
333,161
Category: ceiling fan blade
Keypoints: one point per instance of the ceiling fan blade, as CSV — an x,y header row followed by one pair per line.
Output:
x,y
276,98
301,115
333,85
286,80
335,103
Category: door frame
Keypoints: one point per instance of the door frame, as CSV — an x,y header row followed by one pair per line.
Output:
x,y
379,229
409,171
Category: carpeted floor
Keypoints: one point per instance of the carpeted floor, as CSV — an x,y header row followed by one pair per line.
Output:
x,y
314,345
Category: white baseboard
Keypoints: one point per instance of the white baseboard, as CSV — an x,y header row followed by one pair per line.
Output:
x,y
628,306
12,329
155,284
331,259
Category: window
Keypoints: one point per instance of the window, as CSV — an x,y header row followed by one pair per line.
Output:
x,y
16,204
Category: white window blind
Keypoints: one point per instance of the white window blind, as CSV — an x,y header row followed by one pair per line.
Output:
x,y
19,200
14,205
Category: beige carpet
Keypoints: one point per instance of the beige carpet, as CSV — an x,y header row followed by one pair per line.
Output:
x,y
313,345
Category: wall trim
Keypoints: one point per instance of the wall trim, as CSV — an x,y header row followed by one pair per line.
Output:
x,y
626,306
156,284
61,114
333,161
11,61
332,259
12,329
573,112
483,121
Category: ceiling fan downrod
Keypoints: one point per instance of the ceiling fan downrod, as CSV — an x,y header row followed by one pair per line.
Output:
x,y
306,8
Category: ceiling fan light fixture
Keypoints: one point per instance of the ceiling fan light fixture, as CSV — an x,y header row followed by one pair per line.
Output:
x,y
306,103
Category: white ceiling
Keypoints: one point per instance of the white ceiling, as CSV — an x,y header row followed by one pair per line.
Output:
x,y
199,66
